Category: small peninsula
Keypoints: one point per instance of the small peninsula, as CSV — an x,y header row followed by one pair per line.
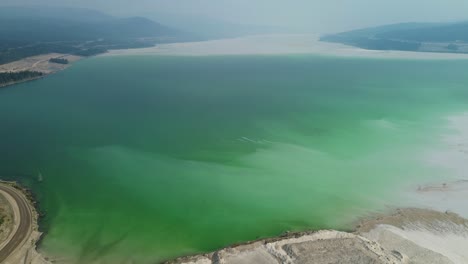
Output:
x,y
35,67
421,37
37,41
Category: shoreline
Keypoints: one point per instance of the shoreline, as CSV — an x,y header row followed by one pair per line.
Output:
x,y
23,81
26,250
39,63
363,234
381,238
434,215
268,45
289,44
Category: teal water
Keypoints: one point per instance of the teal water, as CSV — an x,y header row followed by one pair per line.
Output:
x,y
148,158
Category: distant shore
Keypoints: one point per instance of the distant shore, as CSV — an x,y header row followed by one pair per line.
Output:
x,y
276,45
250,45
40,63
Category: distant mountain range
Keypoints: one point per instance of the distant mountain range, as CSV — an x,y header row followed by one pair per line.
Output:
x,y
433,37
71,24
31,31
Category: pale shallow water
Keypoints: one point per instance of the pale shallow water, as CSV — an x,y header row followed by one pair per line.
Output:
x,y
148,158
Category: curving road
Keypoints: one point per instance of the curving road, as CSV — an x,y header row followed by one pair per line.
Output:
x,y
25,222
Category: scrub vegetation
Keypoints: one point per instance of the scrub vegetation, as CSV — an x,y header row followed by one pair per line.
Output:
x,y
13,77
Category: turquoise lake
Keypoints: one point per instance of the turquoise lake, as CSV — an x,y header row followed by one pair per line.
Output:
x,y
146,158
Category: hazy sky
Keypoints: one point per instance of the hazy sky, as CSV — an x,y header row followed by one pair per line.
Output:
x,y
317,15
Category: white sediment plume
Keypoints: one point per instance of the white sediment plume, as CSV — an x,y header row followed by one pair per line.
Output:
x,y
455,155
277,44
450,191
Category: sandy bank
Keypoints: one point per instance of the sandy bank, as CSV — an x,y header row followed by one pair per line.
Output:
x,y
38,63
423,236
276,44
406,236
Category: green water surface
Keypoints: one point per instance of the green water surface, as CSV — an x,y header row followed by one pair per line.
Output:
x,y
148,158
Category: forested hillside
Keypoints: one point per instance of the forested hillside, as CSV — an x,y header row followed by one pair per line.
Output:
x,y
438,37
27,32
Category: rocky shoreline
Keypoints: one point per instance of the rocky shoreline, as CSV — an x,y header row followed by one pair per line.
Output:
x,y
386,238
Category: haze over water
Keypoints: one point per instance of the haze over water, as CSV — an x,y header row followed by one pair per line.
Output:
x,y
148,158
